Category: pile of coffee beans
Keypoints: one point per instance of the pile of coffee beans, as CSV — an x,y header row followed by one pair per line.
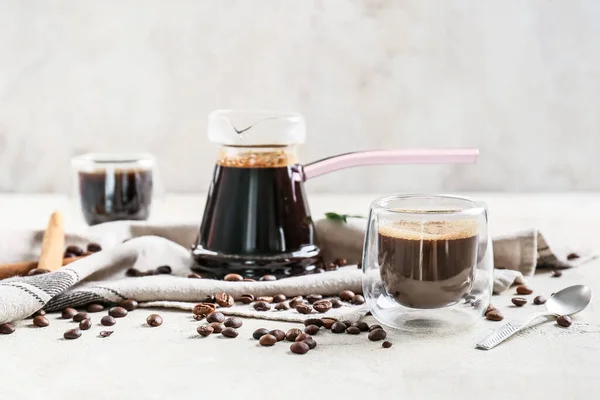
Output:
x,y
136,273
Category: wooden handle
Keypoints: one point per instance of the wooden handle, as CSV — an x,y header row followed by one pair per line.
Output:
x,y
22,268
53,244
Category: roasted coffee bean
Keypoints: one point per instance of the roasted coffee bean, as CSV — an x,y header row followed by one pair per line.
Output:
x,y
223,299
204,309
6,328
328,322
299,348
95,307
233,322
106,333
304,308
572,256
295,301
347,295
338,327
266,299
108,321
205,330
336,303
363,326
39,313
322,306
41,321
246,298
215,316
373,327
519,301
311,298
233,278
217,327
347,323
198,317
164,270
154,320
564,321
72,334
358,299
129,304
539,300
133,272
259,333
313,321
267,340
311,329
278,298
74,250
302,336
85,324
377,334
353,330
117,312
331,267
229,332
494,315
262,306
522,289
340,262
386,344
292,334
268,278
556,273
282,307
80,316
194,276
278,333
310,342
489,308
94,247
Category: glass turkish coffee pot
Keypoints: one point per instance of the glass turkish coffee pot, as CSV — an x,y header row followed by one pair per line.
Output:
x,y
257,220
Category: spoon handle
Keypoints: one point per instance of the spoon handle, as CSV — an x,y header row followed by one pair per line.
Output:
x,y
507,330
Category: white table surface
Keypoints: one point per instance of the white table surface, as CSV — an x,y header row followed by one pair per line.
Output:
x,y
171,362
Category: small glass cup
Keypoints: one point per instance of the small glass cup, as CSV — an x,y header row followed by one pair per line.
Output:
x,y
114,187
427,262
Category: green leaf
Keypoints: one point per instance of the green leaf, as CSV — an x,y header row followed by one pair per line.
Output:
x,y
340,217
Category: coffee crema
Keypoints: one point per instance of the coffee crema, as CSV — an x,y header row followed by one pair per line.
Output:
x,y
428,264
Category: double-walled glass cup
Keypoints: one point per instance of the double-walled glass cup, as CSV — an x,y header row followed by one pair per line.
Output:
x,y
427,262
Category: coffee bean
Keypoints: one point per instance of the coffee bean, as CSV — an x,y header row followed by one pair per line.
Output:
x,y
358,299
262,306
72,334
338,327
564,321
106,333
522,289
267,340
233,278
266,299
94,247
313,321
229,332
539,300
292,334
519,301
259,333
39,313
377,334
299,348
304,308
246,298
310,342
295,301
80,316
331,267
278,334
74,250
95,307
205,330
154,320
194,276
363,326
340,261
217,327
282,307
322,306
386,344
198,317
347,323
302,336
164,270
278,298
41,321
108,321
572,256
133,272
6,328
489,308
268,278
204,309
353,330
129,304
215,316
85,325
223,299
117,312
314,297
494,315
347,295
373,327
328,322
556,273
336,303
233,322
37,271
311,330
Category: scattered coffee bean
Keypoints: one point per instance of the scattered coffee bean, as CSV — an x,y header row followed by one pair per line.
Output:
x,y
204,309
363,326
328,322
95,307
129,304
215,316
246,298
154,320
322,306
85,324
377,334
299,348
117,312
205,330
310,342
564,321
572,256
292,334
224,300
134,272
80,316
373,327
347,295
233,278
358,299
278,333
6,328
282,307
217,327
494,315
108,321
296,301
38,313
386,344
278,298
268,278
164,270
94,247
522,289
194,276
340,261
198,317
336,303
313,321
304,308
311,329
260,332
72,334
519,301
266,299
314,297
41,321
556,273
267,340
353,330
338,327
106,333
331,267
262,306
229,332
489,308
233,322
74,250
538,300
302,336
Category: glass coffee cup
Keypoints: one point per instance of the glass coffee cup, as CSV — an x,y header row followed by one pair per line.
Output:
x,y
427,262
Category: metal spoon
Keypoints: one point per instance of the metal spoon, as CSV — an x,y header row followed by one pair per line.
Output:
x,y
568,301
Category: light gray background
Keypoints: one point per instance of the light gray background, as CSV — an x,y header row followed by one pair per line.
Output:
x,y
518,79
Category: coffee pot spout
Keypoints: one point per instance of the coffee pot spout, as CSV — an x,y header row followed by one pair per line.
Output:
x,y
379,157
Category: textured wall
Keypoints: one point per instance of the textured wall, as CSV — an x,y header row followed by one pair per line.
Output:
x,y
519,79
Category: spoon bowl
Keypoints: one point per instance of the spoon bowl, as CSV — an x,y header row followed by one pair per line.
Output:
x,y
570,300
